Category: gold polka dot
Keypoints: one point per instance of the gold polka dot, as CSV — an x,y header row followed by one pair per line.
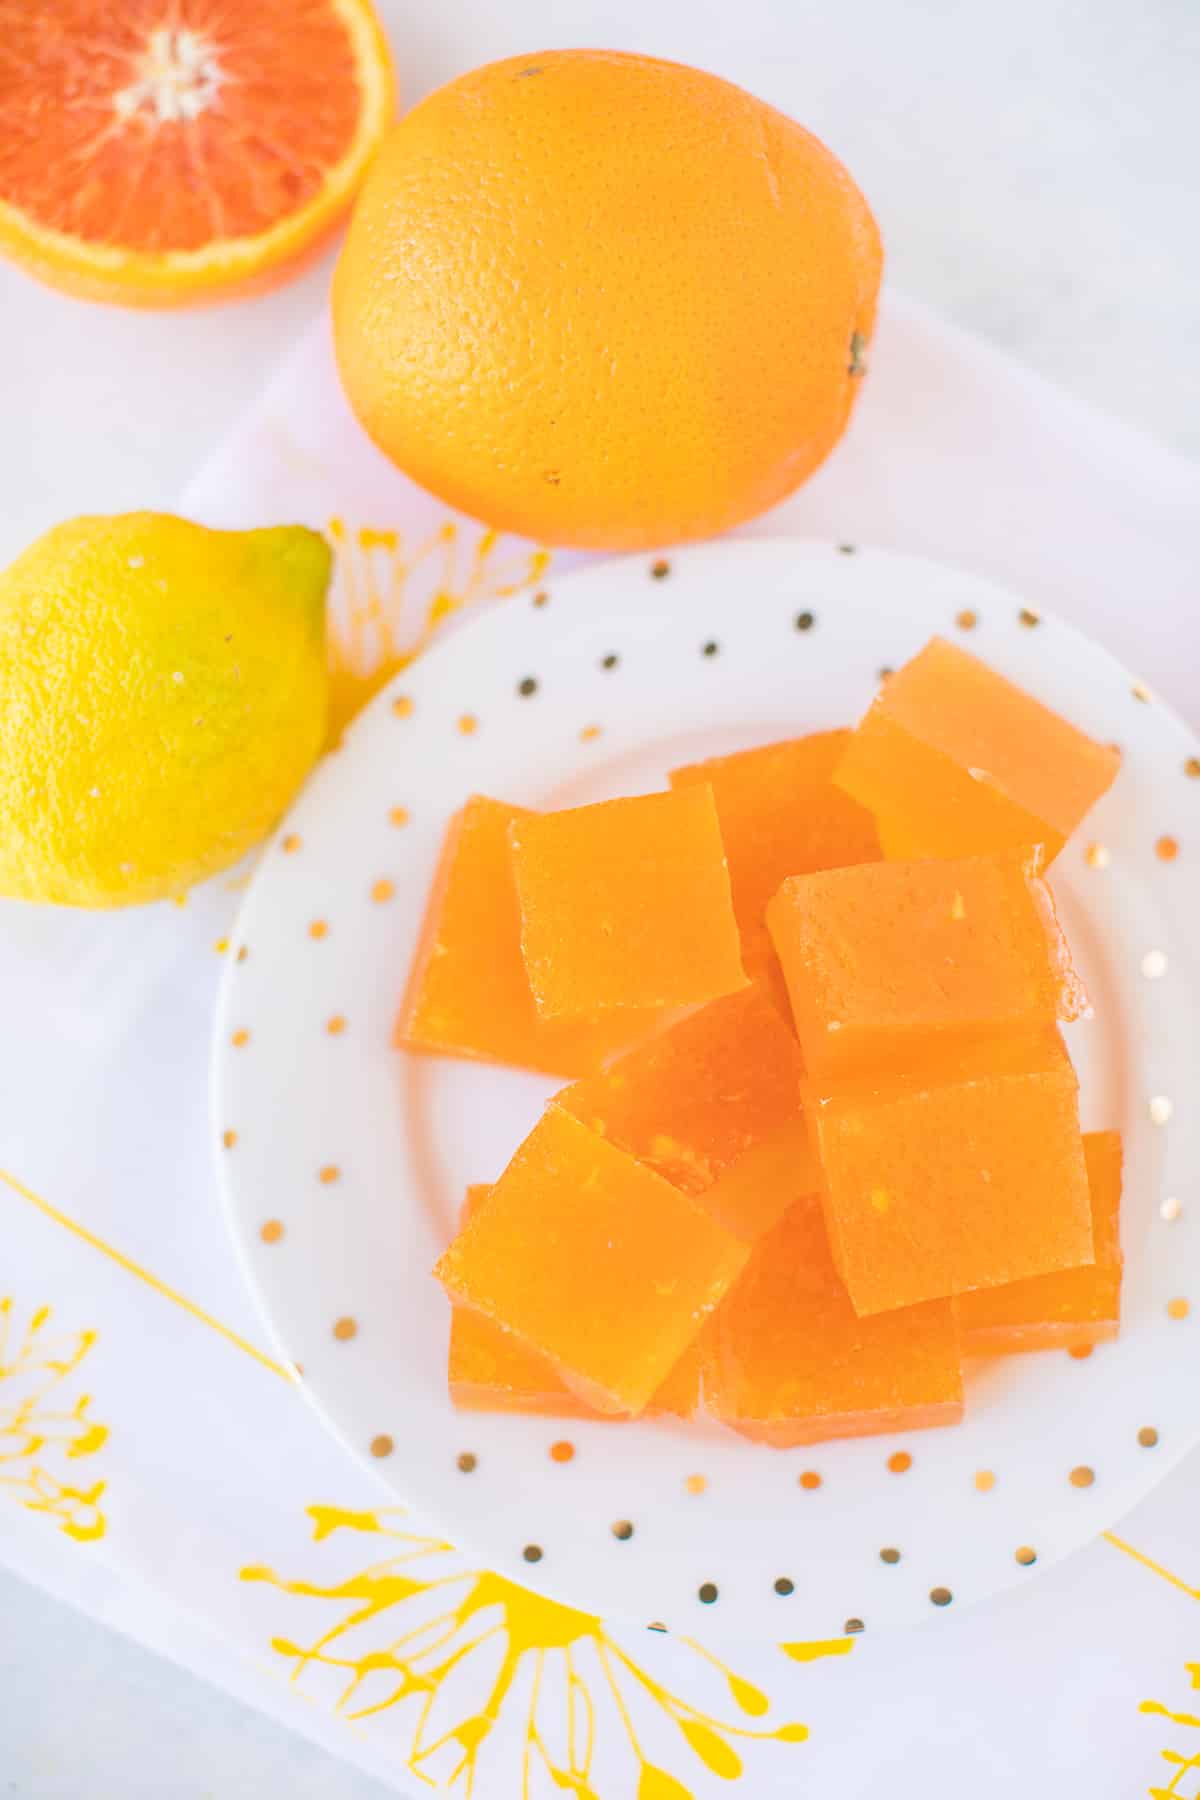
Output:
x,y
240,1038
1147,1437
899,1462
1191,768
468,724
318,929
1178,1308
402,706
1082,1477
382,1445
541,599
985,1480
590,733
890,1555
1081,1352
941,1596
810,1480
967,620
336,1026
1167,849
221,946
623,1530
1026,1556
344,1330
660,569
1097,856
243,952
467,1462
229,1139
271,1232
852,1627
562,1452
383,890
1140,691
291,843
329,1173
399,815
696,1484
1029,618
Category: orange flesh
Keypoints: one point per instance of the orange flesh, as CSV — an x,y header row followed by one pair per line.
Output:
x,y
792,1363
954,760
626,904
468,994
1069,1309
593,1261
889,961
968,1175
87,151
713,1105
492,1371
781,815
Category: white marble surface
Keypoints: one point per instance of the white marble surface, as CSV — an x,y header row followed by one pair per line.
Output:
x,y
1034,169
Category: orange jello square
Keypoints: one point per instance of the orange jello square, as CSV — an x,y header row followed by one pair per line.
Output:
x,y
953,759
626,904
887,961
490,1370
792,1363
1068,1310
468,994
713,1104
594,1261
781,815
967,1174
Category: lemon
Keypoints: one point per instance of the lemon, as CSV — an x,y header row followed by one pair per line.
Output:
x,y
163,691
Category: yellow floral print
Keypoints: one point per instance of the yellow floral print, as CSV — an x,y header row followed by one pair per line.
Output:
x,y
45,1424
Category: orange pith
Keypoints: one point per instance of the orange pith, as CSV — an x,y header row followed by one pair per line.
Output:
x,y
159,151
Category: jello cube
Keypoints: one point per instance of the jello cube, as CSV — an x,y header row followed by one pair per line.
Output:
x,y
490,1370
712,1104
889,961
626,904
1072,1309
965,1175
468,994
781,815
792,1363
593,1261
953,759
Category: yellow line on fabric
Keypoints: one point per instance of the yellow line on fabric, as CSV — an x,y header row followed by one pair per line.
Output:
x,y
1147,1563
152,1281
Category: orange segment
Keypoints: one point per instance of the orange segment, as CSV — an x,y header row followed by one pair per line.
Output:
x,y
156,152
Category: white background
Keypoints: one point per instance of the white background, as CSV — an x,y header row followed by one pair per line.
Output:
x,y
1034,168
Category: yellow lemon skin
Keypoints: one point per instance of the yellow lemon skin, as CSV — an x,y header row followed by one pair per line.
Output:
x,y
163,692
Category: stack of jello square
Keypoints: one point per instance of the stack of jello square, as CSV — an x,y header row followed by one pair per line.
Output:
x,y
823,1134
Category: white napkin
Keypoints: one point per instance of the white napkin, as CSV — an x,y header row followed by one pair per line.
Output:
x,y
157,1468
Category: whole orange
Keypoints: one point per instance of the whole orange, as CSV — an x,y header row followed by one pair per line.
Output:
x,y
604,300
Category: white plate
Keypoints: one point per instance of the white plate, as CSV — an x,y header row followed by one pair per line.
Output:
x,y
737,643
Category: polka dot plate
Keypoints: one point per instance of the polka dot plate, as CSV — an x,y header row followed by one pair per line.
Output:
x,y
344,1161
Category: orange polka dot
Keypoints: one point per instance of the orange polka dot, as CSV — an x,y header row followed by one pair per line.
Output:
x,y
1167,849
336,1025
344,1330
291,843
696,1484
221,946
239,1039
402,706
562,1452
1178,1309
468,724
1081,1352
229,1139
271,1232
399,815
318,929
967,620
810,1480
243,952
985,1481
383,890
329,1173
382,1445
899,1462
590,733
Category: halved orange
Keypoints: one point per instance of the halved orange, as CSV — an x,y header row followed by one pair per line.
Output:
x,y
162,152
